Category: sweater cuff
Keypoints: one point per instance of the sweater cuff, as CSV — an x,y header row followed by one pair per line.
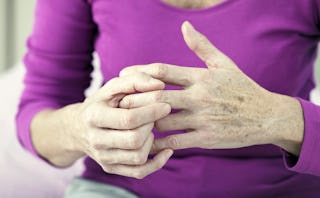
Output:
x,y
308,161
23,120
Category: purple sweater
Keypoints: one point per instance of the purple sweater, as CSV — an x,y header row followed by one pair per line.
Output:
x,y
273,41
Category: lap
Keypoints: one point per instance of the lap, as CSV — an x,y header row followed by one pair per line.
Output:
x,y
82,188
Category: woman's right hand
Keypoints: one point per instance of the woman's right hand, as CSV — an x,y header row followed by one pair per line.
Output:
x,y
120,140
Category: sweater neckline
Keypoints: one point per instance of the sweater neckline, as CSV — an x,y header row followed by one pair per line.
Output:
x,y
212,8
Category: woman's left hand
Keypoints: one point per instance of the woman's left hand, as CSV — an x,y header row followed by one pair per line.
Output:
x,y
220,106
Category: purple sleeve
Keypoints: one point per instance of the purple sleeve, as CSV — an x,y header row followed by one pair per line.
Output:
x,y
58,62
309,159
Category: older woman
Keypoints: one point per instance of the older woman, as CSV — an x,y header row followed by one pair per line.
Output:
x,y
232,105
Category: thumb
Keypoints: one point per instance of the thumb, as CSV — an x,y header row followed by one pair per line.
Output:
x,y
203,48
158,145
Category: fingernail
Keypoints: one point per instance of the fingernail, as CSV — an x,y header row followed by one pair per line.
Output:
x,y
169,152
189,29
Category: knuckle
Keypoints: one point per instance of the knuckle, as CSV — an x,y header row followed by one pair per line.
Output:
x,y
212,62
202,98
139,159
128,120
161,70
128,102
135,142
205,75
203,40
159,96
173,141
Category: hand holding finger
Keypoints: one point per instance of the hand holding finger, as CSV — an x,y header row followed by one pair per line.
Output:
x,y
121,137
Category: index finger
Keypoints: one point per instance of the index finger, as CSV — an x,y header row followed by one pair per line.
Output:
x,y
203,48
125,119
172,74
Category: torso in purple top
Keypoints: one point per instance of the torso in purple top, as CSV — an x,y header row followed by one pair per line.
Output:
x,y
274,42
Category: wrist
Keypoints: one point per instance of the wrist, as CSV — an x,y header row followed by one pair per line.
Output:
x,y
71,129
51,132
287,125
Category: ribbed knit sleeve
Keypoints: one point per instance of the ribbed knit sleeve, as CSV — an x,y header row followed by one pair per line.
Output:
x,y
58,61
